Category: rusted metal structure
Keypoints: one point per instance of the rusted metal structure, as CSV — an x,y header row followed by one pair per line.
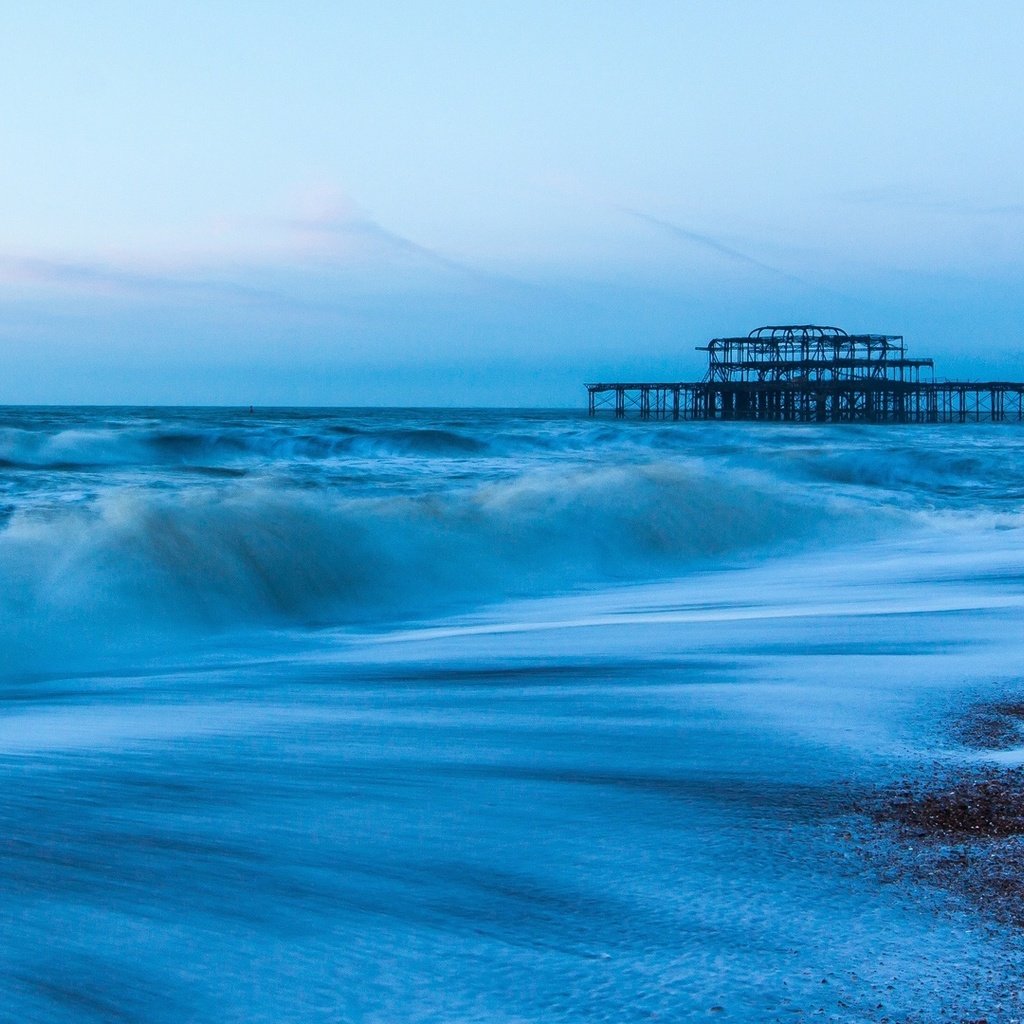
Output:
x,y
808,373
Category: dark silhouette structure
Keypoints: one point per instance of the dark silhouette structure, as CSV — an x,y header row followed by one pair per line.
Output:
x,y
812,374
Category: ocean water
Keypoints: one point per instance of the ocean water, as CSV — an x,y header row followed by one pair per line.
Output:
x,y
503,716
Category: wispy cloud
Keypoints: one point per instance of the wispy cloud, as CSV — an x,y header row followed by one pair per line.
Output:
x,y
111,279
275,265
712,244
329,215
359,227
335,224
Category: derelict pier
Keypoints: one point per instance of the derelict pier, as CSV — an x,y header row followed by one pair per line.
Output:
x,y
810,374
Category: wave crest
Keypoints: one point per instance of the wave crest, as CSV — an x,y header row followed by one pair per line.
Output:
x,y
143,563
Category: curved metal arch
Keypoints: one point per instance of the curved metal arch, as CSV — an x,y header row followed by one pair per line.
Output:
x,y
789,332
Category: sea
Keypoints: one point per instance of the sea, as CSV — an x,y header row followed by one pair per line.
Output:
x,y
328,715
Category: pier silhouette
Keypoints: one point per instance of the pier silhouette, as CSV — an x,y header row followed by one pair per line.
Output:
x,y
811,374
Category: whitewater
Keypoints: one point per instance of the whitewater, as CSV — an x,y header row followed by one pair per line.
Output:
x,y
489,715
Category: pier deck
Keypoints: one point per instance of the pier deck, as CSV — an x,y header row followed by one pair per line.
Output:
x,y
820,402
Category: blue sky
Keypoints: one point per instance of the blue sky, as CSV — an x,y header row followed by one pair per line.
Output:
x,y
434,203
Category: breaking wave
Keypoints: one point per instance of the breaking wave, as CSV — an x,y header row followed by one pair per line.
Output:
x,y
142,563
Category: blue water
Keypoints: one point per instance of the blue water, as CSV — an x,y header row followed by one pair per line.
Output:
x,y
328,715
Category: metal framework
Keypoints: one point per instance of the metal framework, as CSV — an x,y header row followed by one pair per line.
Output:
x,y
810,353
811,374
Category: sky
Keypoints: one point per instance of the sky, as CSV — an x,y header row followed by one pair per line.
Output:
x,y
490,203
